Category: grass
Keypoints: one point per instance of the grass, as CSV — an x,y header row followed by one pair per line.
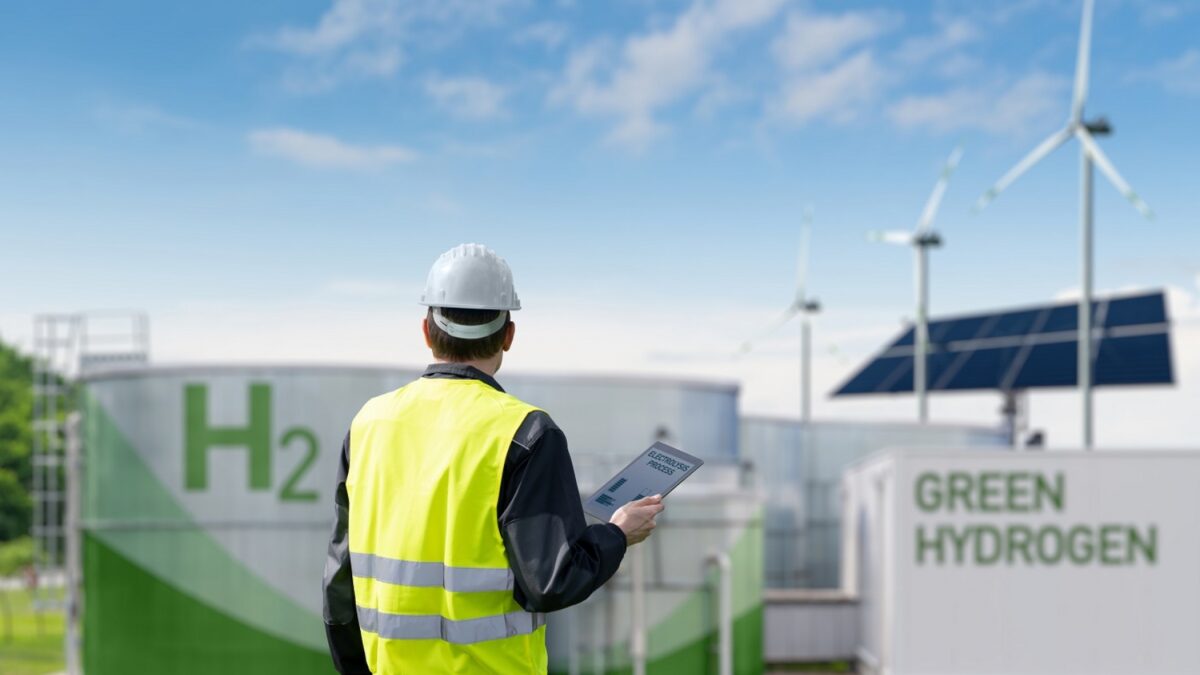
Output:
x,y
26,648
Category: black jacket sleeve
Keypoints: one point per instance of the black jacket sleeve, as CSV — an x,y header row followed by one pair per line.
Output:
x,y
557,559
340,612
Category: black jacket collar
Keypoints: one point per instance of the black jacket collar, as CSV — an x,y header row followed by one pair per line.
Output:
x,y
460,371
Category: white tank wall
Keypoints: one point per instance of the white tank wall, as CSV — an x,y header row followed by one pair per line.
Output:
x,y
608,420
799,469
281,542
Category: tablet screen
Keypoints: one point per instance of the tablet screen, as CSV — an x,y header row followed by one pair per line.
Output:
x,y
654,472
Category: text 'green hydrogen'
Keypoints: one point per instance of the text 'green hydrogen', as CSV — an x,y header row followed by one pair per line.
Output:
x,y
1018,494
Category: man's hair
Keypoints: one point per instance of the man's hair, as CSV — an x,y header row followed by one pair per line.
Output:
x,y
449,348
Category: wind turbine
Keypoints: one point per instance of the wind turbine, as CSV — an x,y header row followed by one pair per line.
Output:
x,y
1089,153
805,307
921,239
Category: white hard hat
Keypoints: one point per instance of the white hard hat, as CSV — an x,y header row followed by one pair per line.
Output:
x,y
470,276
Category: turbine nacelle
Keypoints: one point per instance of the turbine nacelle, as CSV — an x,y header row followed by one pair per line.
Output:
x,y
1077,128
802,304
920,239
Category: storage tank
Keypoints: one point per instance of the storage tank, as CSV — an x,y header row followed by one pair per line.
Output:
x,y
798,469
207,502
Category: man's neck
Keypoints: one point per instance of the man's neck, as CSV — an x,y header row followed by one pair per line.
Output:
x,y
488,366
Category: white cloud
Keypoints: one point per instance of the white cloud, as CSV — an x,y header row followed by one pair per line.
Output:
x,y
1180,75
820,81
952,33
1015,110
352,39
653,70
549,34
356,39
836,93
137,118
1154,12
344,22
813,40
325,152
467,97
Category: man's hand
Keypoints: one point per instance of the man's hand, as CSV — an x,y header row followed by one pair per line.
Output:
x,y
636,519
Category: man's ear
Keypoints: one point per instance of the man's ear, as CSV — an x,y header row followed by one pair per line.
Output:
x,y
425,331
509,333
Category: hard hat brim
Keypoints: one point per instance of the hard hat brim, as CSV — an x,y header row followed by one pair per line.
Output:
x,y
459,305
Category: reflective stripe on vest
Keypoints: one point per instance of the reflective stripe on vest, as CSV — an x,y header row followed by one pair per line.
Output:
x,y
437,627
427,574
431,573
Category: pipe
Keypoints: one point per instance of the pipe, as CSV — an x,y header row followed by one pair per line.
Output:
x,y
637,624
74,576
724,566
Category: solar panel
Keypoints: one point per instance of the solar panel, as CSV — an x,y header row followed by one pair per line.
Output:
x,y
1029,348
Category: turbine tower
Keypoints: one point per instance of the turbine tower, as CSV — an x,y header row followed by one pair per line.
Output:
x,y
1090,154
921,239
805,307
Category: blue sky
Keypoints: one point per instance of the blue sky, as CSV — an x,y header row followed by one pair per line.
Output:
x,y
300,164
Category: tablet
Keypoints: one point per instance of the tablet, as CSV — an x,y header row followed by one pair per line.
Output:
x,y
655,472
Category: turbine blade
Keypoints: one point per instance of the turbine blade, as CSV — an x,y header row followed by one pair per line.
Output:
x,y
1106,167
939,190
898,237
1044,148
787,315
802,255
1082,63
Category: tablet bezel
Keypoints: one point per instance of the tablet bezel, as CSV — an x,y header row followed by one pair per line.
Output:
x,y
660,446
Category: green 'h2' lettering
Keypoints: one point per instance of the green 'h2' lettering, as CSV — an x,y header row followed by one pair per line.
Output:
x,y
200,437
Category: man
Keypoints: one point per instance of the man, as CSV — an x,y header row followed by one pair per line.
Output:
x,y
458,518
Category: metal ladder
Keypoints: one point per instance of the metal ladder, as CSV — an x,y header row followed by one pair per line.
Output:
x,y
66,347
55,353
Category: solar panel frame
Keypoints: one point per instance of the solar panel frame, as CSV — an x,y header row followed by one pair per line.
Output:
x,y
1028,348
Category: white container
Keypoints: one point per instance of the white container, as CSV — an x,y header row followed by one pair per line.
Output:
x,y
974,562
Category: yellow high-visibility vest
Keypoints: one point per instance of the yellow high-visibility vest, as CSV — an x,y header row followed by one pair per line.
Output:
x,y
431,578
